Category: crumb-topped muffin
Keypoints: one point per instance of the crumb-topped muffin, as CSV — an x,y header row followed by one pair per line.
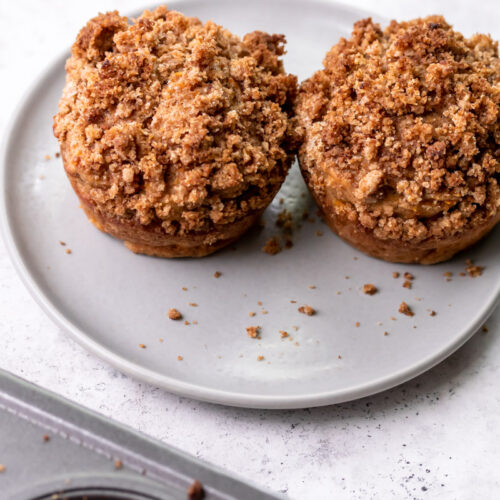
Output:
x,y
175,135
402,139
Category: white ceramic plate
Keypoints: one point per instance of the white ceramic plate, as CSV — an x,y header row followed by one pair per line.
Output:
x,y
111,300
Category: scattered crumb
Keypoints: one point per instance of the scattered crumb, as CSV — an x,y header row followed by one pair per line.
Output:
x,y
142,346
357,324
379,323
174,314
404,308
484,329
260,358
184,289
312,287
282,200
253,332
319,233
47,157
472,270
62,243
195,322
259,302
295,327
251,314
370,289
58,155
297,344
462,274
339,356
407,284
354,258
118,464
264,311
347,277
179,358
272,246
285,221
306,310
217,274
193,304
432,313
392,318
196,491
293,302
395,274
408,276
447,274
283,334
160,339
68,251
46,438
288,244
2,468
187,323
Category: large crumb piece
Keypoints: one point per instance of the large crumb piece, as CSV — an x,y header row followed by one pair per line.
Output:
x,y
260,358
196,491
472,270
174,314
307,310
283,334
272,246
407,284
404,308
253,332
370,289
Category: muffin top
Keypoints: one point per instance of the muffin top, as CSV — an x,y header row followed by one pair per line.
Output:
x,y
402,129
172,122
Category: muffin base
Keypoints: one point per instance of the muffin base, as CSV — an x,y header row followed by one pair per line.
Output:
x,y
430,251
152,240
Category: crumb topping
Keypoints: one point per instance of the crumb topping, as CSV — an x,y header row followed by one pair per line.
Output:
x,y
272,246
169,122
402,129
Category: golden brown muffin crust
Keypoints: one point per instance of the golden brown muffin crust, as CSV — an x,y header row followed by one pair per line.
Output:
x,y
175,124
402,130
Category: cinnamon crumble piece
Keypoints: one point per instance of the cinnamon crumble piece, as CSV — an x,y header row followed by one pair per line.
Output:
x,y
217,274
142,346
118,464
251,314
308,310
174,314
193,304
253,332
395,274
46,438
408,276
357,324
369,289
432,313
179,358
68,251
407,284
404,308
283,334
272,246
472,270
260,358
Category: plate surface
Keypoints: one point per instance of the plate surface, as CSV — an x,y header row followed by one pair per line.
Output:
x,y
111,300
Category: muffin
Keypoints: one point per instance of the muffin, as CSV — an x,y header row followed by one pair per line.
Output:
x,y
401,139
175,135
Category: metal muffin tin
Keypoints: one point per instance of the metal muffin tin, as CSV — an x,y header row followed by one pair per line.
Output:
x,y
52,449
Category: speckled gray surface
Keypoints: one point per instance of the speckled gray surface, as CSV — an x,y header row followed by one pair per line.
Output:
x,y
433,437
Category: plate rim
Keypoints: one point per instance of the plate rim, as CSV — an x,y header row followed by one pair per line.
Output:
x,y
171,384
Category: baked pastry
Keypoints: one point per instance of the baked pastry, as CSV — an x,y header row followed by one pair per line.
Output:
x,y
402,139
175,135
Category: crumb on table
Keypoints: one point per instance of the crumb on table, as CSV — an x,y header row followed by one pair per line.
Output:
x,y
404,308
196,491
308,310
174,314
272,246
217,274
253,332
369,289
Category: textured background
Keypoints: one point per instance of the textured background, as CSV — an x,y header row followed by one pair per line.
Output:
x,y
435,436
